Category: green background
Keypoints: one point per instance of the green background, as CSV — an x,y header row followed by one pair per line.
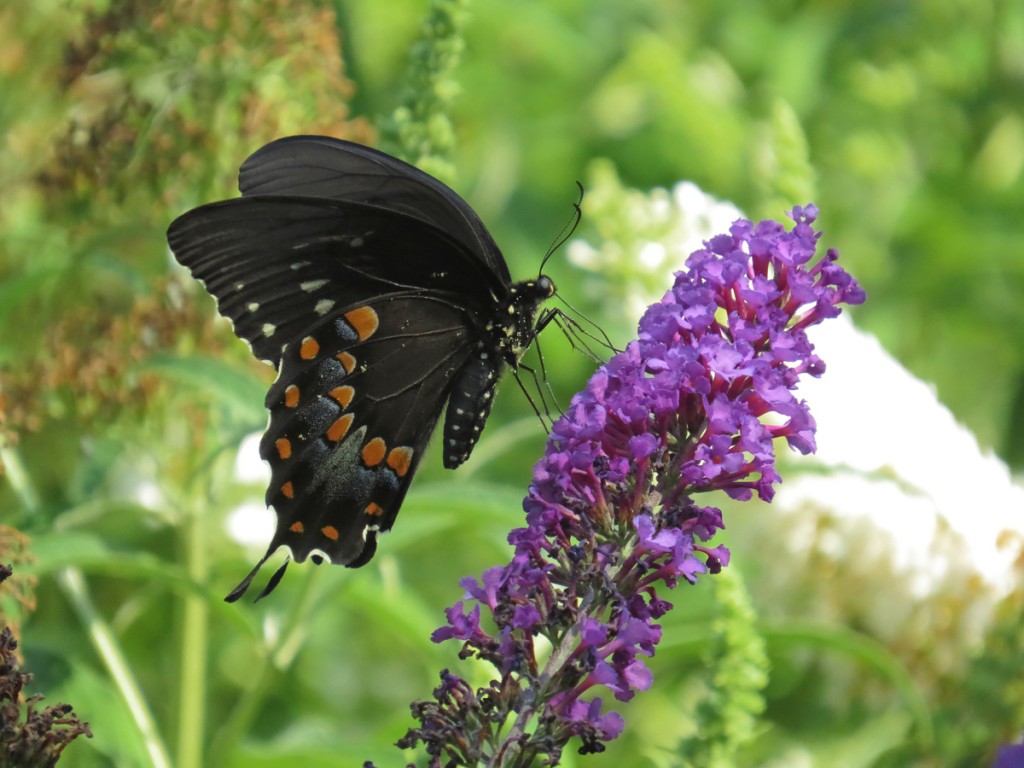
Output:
x,y
124,402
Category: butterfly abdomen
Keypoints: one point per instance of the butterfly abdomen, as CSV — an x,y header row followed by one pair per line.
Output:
x,y
504,340
469,405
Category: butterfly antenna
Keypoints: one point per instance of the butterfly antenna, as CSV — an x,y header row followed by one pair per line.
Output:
x,y
567,230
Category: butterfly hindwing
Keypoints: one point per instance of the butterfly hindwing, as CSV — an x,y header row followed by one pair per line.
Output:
x,y
351,412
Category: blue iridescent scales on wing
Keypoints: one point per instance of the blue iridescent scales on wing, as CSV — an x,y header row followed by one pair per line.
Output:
x,y
378,295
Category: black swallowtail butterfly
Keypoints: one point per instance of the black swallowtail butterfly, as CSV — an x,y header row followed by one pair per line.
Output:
x,y
378,295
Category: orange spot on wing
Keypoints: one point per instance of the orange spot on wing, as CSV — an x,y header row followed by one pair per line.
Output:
x,y
373,452
399,459
291,396
364,320
348,361
284,447
330,532
374,510
288,490
309,349
343,395
297,528
340,427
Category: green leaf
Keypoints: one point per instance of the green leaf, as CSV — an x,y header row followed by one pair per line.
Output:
x,y
236,390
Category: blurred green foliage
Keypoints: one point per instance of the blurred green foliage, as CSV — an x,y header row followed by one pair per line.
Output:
x,y
124,401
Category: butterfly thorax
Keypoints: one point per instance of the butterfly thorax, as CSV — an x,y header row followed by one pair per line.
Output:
x,y
505,341
513,338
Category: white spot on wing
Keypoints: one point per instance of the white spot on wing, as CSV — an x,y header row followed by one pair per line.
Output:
x,y
321,553
269,329
312,285
324,306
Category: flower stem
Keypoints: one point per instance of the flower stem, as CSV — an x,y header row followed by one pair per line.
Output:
x,y
274,661
194,650
509,755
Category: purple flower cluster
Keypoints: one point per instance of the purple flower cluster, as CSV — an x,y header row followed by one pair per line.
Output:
x,y
693,405
1010,756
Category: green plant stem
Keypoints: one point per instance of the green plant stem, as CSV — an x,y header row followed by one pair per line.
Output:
x,y
106,645
17,476
72,583
275,661
194,650
510,754
871,652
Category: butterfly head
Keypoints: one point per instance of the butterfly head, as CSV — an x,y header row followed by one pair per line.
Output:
x,y
519,327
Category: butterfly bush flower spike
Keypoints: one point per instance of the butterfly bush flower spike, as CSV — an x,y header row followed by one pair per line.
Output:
x,y
614,517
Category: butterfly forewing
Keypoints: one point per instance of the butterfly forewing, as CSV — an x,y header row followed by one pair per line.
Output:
x,y
276,264
319,166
